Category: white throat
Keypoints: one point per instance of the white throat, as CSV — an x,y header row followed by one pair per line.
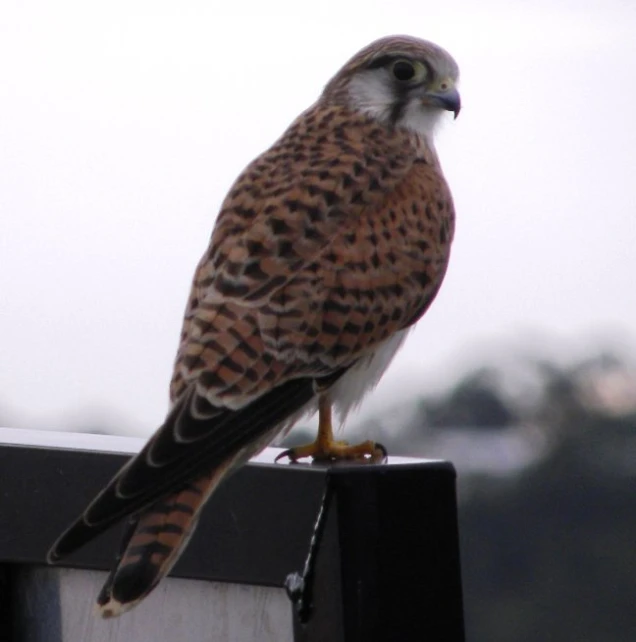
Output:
x,y
421,119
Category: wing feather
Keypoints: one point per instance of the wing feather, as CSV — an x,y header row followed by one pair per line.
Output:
x,y
165,464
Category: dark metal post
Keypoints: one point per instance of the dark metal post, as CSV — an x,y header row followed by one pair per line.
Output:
x,y
388,568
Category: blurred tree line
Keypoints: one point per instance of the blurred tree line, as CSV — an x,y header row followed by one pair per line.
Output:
x,y
550,553
549,549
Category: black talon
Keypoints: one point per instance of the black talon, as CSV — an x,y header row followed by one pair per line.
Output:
x,y
285,453
383,450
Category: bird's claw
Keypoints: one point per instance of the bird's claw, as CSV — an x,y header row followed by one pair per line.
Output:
x,y
336,451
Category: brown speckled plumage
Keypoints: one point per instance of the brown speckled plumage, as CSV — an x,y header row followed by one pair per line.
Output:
x,y
327,248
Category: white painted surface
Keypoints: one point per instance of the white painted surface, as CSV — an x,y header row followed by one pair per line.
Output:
x,y
56,605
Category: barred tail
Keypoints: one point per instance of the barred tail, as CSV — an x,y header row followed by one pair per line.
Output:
x,y
153,543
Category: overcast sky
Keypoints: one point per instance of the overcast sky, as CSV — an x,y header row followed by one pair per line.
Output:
x,y
123,124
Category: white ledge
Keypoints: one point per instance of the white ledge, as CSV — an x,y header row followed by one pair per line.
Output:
x,y
124,445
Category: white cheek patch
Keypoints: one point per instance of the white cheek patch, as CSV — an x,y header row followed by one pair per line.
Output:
x,y
371,93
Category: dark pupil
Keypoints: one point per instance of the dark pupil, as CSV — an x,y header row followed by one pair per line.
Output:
x,y
403,70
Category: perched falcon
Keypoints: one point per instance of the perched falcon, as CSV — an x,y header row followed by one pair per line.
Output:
x,y
326,251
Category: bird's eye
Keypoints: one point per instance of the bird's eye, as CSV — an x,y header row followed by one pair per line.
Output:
x,y
403,70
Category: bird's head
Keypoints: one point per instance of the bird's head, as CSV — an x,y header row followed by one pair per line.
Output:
x,y
401,81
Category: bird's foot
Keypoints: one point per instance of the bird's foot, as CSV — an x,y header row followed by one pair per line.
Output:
x,y
336,451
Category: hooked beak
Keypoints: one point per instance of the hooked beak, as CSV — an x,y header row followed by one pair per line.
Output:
x,y
448,99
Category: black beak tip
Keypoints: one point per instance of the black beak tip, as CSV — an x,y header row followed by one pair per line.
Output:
x,y
452,102
456,107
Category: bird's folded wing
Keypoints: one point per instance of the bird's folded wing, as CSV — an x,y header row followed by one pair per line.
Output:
x,y
185,446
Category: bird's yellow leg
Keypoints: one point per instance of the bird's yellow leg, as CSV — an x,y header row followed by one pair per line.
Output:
x,y
326,448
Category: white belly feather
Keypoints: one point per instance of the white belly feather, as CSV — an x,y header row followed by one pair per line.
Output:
x,y
349,391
